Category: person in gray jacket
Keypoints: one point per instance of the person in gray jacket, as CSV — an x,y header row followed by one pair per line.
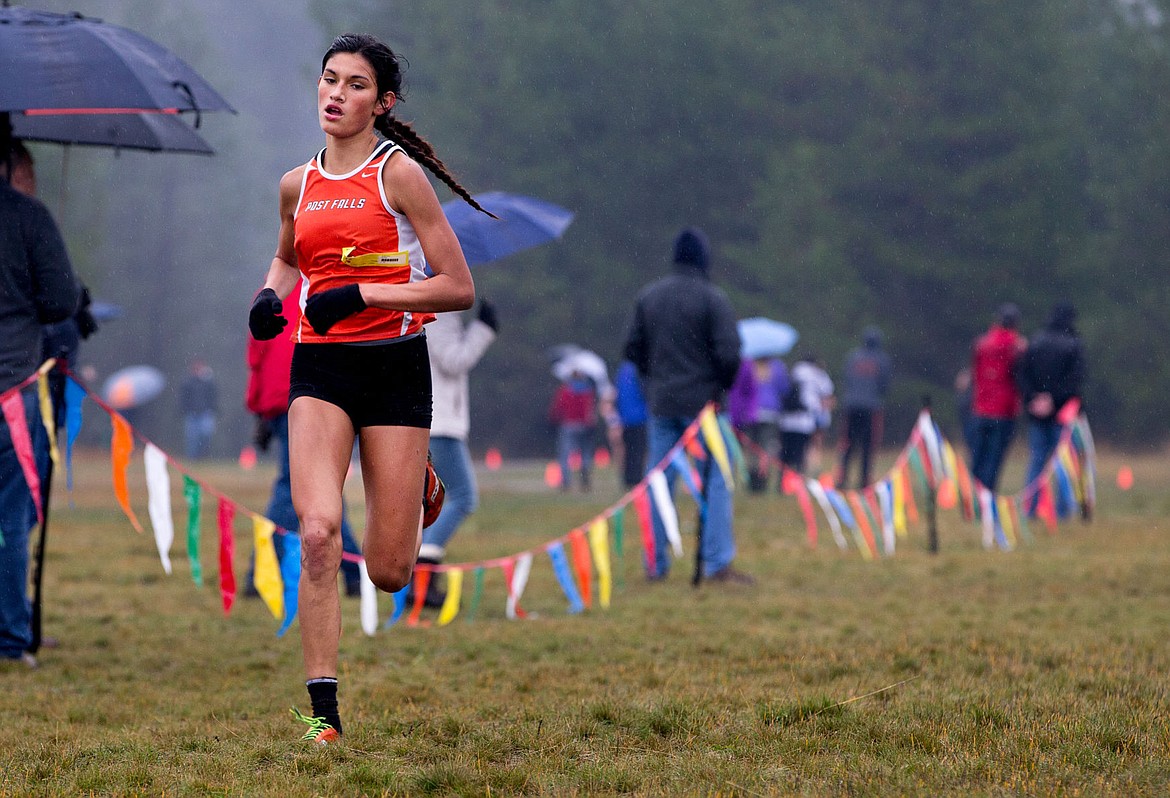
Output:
x,y
37,287
867,379
455,349
685,345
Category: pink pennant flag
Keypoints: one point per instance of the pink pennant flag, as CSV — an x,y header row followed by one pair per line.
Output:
x,y
227,550
13,405
642,507
793,483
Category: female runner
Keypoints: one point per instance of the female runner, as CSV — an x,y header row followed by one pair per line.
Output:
x,y
362,224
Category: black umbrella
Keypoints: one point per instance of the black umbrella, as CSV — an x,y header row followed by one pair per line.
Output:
x,y
75,80
156,132
70,62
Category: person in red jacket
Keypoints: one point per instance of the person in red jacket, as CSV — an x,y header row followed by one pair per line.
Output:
x,y
574,412
995,399
266,397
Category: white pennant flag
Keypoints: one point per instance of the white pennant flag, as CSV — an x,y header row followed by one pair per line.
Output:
x,y
886,505
519,582
666,511
987,518
158,489
369,601
933,445
818,492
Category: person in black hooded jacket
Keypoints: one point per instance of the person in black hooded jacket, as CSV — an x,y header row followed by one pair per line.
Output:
x,y
1051,373
685,344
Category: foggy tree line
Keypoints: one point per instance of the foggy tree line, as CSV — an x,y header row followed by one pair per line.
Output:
x,y
904,163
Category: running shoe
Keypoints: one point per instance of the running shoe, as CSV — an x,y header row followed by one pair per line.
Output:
x,y
434,491
320,732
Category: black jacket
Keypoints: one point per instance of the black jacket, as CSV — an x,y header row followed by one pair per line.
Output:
x,y
684,343
1054,363
37,284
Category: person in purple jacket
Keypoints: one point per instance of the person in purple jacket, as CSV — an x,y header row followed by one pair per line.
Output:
x,y
753,405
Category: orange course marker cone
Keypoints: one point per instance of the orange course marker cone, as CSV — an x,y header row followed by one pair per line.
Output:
x,y
248,458
492,460
1125,477
552,475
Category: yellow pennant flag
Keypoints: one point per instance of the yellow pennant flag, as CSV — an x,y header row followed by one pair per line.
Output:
x,y
1004,506
899,502
714,440
599,545
266,575
47,417
454,593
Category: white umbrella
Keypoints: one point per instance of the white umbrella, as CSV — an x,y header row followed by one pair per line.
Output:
x,y
577,360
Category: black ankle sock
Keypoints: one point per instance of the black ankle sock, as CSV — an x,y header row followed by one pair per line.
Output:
x,y
323,695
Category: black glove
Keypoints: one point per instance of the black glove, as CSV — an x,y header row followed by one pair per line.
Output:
x,y
487,314
262,436
264,319
86,324
325,309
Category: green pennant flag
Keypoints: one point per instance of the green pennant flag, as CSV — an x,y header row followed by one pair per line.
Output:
x,y
919,472
476,594
193,494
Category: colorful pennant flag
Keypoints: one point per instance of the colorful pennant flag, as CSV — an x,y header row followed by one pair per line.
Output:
x,y
193,494
599,545
450,606
158,497
227,551
266,568
121,447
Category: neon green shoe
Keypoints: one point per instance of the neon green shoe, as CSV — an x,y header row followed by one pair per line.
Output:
x,y
320,732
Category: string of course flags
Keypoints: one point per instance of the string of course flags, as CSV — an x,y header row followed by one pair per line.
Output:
x,y
873,518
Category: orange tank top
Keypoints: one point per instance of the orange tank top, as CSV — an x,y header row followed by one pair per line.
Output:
x,y
346,232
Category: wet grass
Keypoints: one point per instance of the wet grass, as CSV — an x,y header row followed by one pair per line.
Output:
x,y
1036,672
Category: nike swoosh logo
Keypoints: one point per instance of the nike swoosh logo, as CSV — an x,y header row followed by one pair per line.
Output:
x,y
368,174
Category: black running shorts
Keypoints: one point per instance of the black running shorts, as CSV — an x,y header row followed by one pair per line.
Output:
x,y
377,385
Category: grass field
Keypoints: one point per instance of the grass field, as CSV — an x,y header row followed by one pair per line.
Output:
x,y
1036,672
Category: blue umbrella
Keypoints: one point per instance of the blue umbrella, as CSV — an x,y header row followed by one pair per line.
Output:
x,y
523,222
761,337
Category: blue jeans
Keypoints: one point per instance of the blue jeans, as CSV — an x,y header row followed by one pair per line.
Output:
x,y
280,507
990,440
198,429
453,464
717,547
1042,439
17,517
575,438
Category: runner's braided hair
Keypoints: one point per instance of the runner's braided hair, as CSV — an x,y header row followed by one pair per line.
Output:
x,y
388,72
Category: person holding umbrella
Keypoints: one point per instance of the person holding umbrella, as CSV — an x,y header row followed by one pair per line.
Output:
x,y
362,224
40,288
